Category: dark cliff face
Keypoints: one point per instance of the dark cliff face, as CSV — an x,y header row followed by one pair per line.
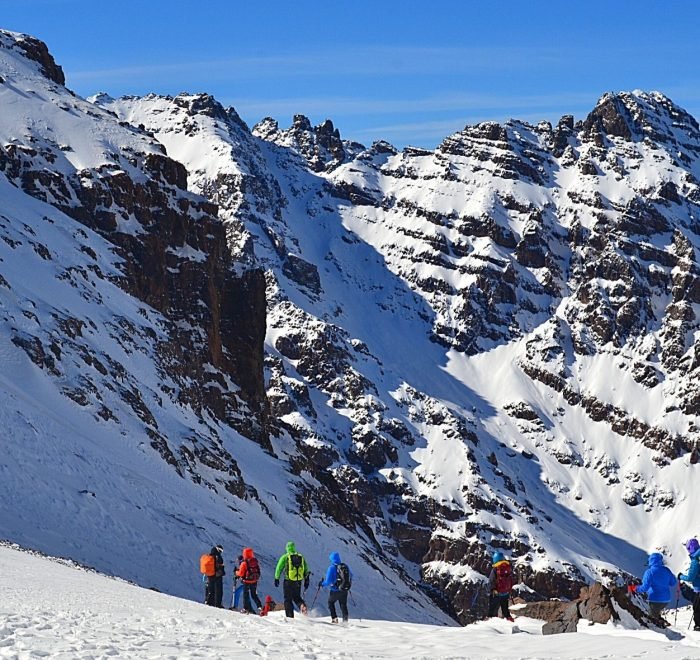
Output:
x,y
175,259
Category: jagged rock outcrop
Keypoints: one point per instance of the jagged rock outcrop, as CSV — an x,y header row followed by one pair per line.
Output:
x,y
595,604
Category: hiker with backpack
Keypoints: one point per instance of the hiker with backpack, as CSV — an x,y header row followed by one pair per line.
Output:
x,y
269,606
656,584
296,572
212,567
339,580
693,576
500,585
249,573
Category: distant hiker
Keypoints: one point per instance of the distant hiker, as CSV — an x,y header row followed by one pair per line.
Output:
x,y
339,580
269,606
249,572
500,585
215,581
693,576
296,571
656,583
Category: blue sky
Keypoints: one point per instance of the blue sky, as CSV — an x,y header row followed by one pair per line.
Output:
x,y
410,72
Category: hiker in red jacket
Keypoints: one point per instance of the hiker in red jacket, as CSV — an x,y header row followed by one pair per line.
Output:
x,y
269,606
249,573
500,585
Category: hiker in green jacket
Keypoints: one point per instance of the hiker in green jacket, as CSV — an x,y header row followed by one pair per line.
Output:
x,y
296,571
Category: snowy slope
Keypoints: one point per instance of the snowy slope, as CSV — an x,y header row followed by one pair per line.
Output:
x,y
85,615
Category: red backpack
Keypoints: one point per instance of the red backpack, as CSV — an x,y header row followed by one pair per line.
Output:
x,y
252,573
504,577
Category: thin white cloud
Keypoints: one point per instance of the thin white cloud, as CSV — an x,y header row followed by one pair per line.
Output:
x,y
357,60
468,103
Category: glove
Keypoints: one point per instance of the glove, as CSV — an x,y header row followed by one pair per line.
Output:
x,y
277,582
631,588
306,582
679,577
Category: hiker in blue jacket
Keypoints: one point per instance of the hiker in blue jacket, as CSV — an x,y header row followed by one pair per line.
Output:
x,y
693,576
656,583
339,580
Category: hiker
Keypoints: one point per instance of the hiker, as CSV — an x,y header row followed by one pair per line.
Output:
x,y
339,580
500,584
269,606
215,582
656,584
693,576
296,571
249,572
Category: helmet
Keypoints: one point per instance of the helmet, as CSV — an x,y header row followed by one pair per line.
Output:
x,y
692,546
497,556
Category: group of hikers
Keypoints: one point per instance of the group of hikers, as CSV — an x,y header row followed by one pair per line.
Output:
x,y
294,571
657,582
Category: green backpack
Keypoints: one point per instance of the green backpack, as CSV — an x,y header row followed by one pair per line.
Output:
x,y
295,567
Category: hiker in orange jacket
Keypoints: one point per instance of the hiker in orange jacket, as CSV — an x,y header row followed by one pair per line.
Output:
x,y
249,573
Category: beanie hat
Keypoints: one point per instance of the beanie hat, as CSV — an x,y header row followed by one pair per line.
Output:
x,y
497,556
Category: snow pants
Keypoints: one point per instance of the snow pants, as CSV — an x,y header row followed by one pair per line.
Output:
x,y
292,594
215,591
655,609
496,601
696,610
251,591
340,597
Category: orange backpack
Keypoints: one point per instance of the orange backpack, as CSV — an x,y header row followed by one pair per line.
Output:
x,y
207,565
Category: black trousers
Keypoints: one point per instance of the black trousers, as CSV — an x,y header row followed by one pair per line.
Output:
x,y
499,601
250,591
656,609
340,597
292,594
696,610
215,591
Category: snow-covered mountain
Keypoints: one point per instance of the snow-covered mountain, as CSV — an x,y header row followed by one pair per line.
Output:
x,y
486,346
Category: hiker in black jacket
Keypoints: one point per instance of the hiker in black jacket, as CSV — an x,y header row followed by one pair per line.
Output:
x,y
215,583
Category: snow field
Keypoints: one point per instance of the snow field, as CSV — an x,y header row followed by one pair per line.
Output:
x,y
52,610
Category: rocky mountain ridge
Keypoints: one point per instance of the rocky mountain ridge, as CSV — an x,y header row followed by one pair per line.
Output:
x,y
490,345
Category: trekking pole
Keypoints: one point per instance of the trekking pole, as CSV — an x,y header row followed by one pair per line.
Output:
x,y
315,596
352,599
233,591
678,597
